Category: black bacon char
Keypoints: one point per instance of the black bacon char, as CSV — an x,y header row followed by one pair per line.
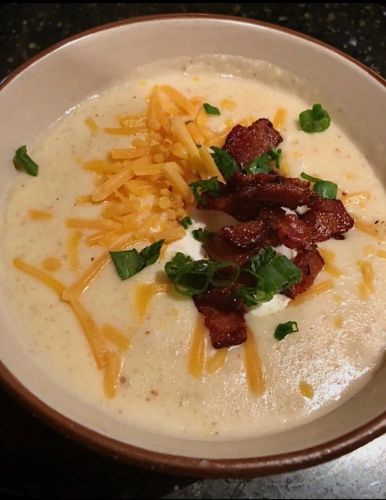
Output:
x,y
224,316
247,143
258,201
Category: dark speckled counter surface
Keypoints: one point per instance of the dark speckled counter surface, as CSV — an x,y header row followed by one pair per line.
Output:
x,y
37,462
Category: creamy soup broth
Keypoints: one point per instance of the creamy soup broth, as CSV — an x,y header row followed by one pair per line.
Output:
x,y
341,338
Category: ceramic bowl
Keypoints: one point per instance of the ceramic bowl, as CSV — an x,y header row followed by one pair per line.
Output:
x,y
40,91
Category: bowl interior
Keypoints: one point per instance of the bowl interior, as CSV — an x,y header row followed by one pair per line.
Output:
x,y
53,84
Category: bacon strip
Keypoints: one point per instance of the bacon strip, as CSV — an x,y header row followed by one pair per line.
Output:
x,y
327,219
247,194
218,248
224,316
247,143
292,231
244,235
310,262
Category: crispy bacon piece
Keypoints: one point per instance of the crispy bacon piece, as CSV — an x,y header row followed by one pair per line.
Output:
x,y
310,262
247,143
292,231
224,316
327,218
244,235
248,193
218,248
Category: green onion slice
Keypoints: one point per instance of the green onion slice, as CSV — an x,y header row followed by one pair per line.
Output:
x,y
285,329
224,161
314,120
192,277
201,234
186,222
23,161
209,186
130,262
211,110
326,189
262,164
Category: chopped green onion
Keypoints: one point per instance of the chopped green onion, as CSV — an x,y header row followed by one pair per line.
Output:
x,y
186,222
285,329
252,296
280,273
224,161
276,156
273,274
192,277
326,189
209,186
265,255
201,234
127,263
23,161
151,253
130,262
262,164
314,120
211,110
309,177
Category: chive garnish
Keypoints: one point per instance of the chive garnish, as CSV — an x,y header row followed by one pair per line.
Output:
x,y
262,164
224,161
314,120
130,262
192,277
209,186
272,272
211,110
326,189
285,329
201,234
186,222
23,161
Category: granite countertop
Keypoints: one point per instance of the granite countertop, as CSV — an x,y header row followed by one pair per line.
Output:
x,y
37,462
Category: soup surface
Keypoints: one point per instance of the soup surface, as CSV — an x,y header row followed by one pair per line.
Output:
x,y
342,332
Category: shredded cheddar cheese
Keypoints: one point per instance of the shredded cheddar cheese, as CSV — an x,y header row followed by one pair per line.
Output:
x,y
253,368
88,325
216,361
91,124
143,295
110,333
306,390
381,254
39,214
93,335
366,287
45,278
314,291
198,349
111,373
280,118
329,266
366,227
51,264
73,249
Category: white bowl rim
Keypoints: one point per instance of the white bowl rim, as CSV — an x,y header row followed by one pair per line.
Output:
x,y
162,462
